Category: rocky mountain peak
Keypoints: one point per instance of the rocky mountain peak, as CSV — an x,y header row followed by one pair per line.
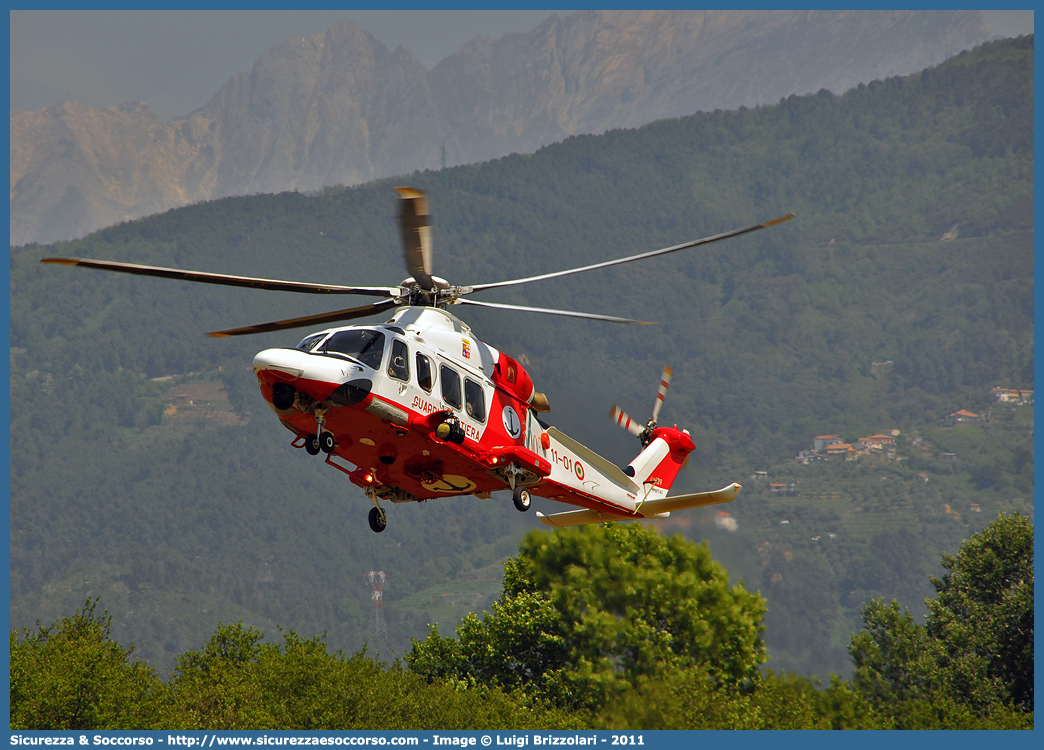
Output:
x,y
341,108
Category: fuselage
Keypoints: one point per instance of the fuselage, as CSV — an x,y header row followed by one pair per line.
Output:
x,y
384,390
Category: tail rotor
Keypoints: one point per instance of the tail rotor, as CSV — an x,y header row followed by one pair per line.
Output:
x,y
644,434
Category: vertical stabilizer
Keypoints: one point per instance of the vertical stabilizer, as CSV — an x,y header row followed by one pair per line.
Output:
x,y
662,459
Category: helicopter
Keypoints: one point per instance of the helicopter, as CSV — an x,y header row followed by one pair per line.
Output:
x,y
418,407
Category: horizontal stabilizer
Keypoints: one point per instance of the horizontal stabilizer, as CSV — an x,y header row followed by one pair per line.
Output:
x,y
697,500
580,517
659,508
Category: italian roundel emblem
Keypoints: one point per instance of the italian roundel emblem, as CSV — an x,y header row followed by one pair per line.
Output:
x,y
512,424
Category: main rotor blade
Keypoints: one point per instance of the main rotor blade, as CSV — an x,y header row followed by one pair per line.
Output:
x,y
551,311
224,279
640,256
415,223
308,320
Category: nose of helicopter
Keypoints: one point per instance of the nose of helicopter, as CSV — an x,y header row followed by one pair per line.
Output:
x,y
287,371
279,364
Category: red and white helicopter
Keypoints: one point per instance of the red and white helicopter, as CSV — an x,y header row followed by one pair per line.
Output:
x,y
417,407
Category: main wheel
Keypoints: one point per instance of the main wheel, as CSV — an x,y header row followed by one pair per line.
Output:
x,y
521,499
378,519
327,442
312,445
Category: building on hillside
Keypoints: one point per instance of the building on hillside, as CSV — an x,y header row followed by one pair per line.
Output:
x,y
784,488
876,443
808,457
962,416
885,440
1013,396
819,442
840,452
865,445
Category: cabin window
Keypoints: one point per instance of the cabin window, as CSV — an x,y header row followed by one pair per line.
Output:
x,y
450,386
475,400
365,346
425,375
399,363
310,342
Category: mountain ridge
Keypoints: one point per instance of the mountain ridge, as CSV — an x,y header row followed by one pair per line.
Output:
x,y
341,108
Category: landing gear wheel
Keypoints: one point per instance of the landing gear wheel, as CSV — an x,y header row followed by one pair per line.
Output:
x,y
312,445
378,520
521,499
327,442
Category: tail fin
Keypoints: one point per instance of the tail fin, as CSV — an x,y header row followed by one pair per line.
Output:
x,y
662,459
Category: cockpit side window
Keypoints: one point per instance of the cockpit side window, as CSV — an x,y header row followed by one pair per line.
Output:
x,y
425,374
450,386
474,400
399,363
310,342
365,346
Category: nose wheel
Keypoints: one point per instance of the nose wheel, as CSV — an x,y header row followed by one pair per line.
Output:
x,y
321,440
378,519
324,442
520,496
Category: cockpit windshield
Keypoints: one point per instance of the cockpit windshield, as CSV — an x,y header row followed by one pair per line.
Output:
x,y
365,346
310,342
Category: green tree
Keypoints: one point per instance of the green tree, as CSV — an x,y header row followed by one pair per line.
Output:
x,y
983,616
238,682
217,687
588,613
71,675
976,650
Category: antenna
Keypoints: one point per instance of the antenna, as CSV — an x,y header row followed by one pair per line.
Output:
x,y
444,154
376,579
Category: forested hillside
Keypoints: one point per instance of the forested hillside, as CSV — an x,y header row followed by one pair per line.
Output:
x,y
146,469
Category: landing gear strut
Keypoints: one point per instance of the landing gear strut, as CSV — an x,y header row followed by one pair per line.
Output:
x,y
322,440
521,498
378,519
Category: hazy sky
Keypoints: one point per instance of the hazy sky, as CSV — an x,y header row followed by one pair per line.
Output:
x,y
177,60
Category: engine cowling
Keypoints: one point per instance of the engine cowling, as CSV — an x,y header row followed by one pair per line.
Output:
x,y
512,377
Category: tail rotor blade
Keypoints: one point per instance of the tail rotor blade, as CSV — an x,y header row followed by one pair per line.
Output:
x,y
415,222
619,416
665,383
